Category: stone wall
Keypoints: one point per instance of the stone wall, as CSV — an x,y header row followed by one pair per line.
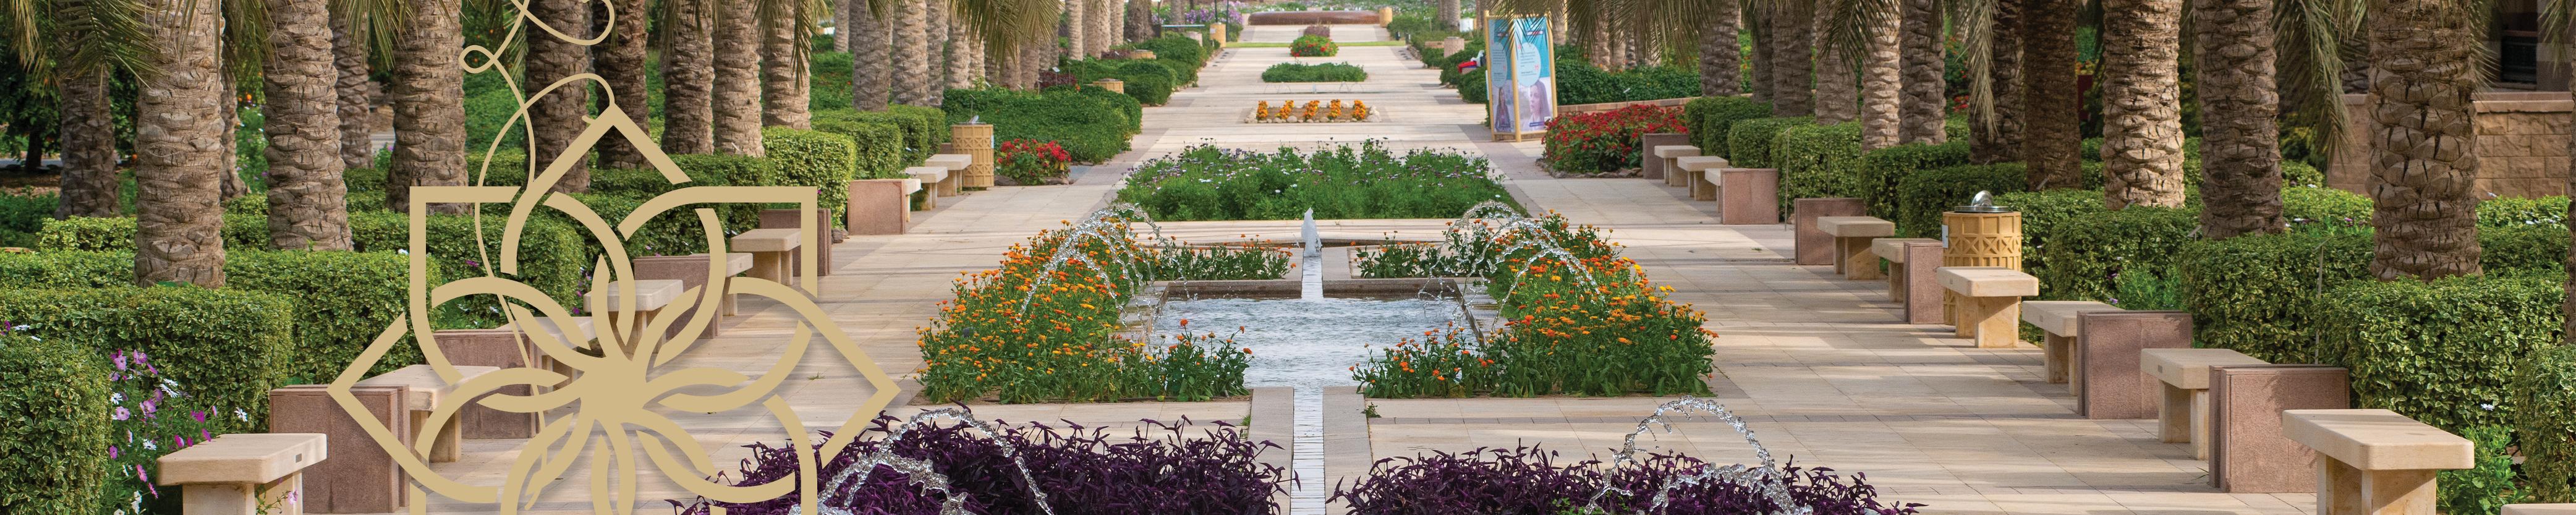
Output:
x,y
2522,145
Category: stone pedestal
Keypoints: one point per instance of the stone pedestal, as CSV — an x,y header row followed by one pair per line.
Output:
x,y
1923,290
2110,385
1748,196
1453,44
2248,453
1814,247
360,477
1113,85
787,219
1654,166
877,207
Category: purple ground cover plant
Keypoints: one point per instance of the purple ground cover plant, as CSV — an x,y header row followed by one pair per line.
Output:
x,y
1170,468
152,417
1526,480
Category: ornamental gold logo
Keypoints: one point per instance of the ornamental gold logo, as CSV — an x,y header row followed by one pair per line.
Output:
x,y
603,400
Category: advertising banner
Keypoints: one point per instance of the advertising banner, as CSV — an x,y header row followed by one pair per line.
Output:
x,y
1520,77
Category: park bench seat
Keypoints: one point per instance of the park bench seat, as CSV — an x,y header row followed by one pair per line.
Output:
x,y
650,295
1693,172
770,251
1989,305
1852,237
2056,320
1674,151
2375,461
1910,280
956,165
427,394
1668,160
931,175
240,473
2184,415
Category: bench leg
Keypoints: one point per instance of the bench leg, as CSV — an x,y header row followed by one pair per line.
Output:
x,y
2173,416
442,448
2344,490
769,265
244,498
1993,319
1895,281
2200,435
2058,357
1858,264
1672,172
1700,188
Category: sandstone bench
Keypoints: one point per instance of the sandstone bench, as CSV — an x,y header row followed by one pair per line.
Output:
x,y
2374,461
691,271
929,177
770,251
1651,166
427,394
2184,415
506,347
651,295
1910,279
1668,156
1989,305
881,206
788,219
2056,322
1812,245
1747,196
955,163
244,473
1852,236
1695,173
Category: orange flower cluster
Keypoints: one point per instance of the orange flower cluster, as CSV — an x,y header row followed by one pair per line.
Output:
x,y
1313,111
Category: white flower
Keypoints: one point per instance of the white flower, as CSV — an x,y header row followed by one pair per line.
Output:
x,y
405,252
149,446
117,398
2489,406
238,414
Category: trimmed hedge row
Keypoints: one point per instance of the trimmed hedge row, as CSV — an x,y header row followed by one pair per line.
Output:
x,y
880,149
1709,118
54,395
2259,294
1883,171
1150,82
223,346
2442,352
2545,398
814,159
1813,160
1749,142
1092,124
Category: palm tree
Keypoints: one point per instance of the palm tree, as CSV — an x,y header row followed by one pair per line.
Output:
x,y
783,51
2240,162
555,118
1837,79
307,203
1140,19
1792,44
2423,142
1077,14
620,62
1757,18
76,45
356,89
429,109
737,97
2141,96
1445,12
963,62
178,152
939,21
88,139
912,54
2050,101
1882,82
1995,136
1721,55
872,84
688,78
1924,111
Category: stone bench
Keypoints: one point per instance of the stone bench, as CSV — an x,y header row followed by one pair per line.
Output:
x,y
787,219
1989,305
1852,236
692,271
243,473
1813,246
2373,461
2184,415
506,347
1748,196
956,165
1651,166
1665,156
773,253
881,206
583,336
2056,322
1910,279
932,176
360,477
651,295
427,393
2248,451
1694,174
2102,368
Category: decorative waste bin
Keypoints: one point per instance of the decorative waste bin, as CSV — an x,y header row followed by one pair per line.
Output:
x,y
976,141
1978,234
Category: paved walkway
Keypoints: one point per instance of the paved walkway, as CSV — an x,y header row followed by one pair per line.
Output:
x,y
1817,364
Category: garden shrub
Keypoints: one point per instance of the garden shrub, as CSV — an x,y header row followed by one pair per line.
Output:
x,y
223,346
2545,412
1749,142
1818,161
1030,162
1364,181
732,170
1471,88
2084,254
2258,294
1881,170
1148,82
1176,48
2308,208
1710,117
980,348
86,233
1318,72
2441,352
1924,195
1605,141
2504,211
813,159
1525,480
1091,128
1578,82
880,146
2043,215
54,395
551,258
1313,45
343,299
21,216
2489,485
2295,173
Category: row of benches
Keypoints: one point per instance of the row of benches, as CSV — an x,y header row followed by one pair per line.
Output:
x,y
884,206
2264,427
1745,196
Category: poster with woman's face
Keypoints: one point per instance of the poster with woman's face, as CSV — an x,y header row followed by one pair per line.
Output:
x,y
1533,74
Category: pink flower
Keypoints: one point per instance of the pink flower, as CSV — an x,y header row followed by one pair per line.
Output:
x,y
120,361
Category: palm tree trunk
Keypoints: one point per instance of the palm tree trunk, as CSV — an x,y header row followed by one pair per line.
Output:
x,y
736,100
308,206
1140,19
620,61
2240,164
940,20
1077,16
178,147
429,105
356,95
841,25
1998,138
1882,85
88,138
1757,18
1721,59
962,65
872,84
912,53
1105,16
2141,103
1793,44
1925,109
1596,43
1445,14
1837,81
555,118
2050,102
782,71
2424,153
688,80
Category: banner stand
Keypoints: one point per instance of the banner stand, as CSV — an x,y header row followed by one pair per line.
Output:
x,y
1520,76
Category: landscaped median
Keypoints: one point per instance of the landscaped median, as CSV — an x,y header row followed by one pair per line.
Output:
x,y
1347,181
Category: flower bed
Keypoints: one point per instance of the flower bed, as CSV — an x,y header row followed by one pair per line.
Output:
x,y
1046,325
1526,480
1606,142
1029,162
1315,111
1364,181
1313,46
1319,72
1578,319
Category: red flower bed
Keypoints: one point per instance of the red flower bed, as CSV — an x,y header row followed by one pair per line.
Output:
x,y
1606,142
1029,162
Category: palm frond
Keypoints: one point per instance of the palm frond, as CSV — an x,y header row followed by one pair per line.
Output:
x,y
2308,37
1847,31
1006,24
1975,22
51,38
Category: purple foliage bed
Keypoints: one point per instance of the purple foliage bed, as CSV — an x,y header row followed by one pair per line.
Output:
x,y
1525,481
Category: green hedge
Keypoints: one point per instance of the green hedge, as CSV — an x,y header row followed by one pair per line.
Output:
x,y
880,145
1883,169
2499,212
54,395
2441,352
638,185
1710,117
551,258
2259,294
117,233
2043,215
1091,124
222,345
1150,82
1471,88
815,159
2545,409
1922,196
343,299
1818,161
924,129
1749,142
2083,254
1319,72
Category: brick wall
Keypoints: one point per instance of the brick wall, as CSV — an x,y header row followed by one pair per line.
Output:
x,y
2522,145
